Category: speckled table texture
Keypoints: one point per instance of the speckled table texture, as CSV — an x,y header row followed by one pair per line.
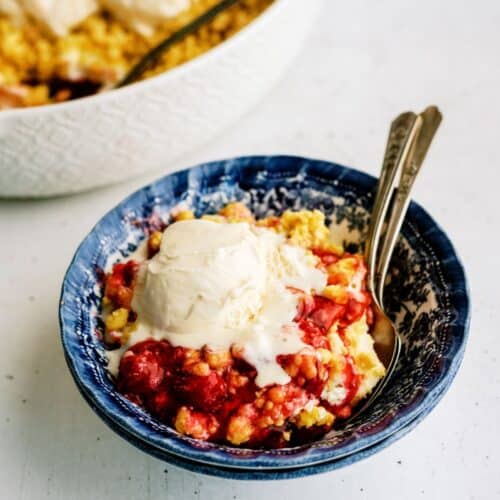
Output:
x,y
365,62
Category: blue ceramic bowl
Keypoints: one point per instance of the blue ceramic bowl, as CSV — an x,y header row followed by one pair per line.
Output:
x,y
426,295
275,474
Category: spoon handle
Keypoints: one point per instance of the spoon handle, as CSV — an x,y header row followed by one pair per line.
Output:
x,y
429,121
415,138
401,135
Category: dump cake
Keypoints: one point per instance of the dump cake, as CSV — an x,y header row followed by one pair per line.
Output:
x,y
248,332
56,51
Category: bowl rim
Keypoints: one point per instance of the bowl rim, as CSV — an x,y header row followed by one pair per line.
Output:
x,y
127,91
274,474
309,455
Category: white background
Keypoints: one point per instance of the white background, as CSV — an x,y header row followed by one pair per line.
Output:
x,y
366,62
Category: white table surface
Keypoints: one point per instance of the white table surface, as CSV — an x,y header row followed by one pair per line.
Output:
x,y
366,62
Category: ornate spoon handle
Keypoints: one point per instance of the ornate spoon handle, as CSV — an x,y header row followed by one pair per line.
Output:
x,y
429,121
401,136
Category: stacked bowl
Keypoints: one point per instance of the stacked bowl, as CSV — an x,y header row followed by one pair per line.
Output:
x,y
426,295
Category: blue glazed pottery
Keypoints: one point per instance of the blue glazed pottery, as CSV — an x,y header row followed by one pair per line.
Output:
x,y
426,294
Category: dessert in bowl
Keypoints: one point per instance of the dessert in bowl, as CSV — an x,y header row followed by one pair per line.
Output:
x,y
150,396
242,331
74,145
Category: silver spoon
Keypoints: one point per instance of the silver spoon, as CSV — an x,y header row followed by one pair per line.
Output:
x,y
409,139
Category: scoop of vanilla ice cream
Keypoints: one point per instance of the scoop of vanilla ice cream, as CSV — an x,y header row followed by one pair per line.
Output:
x,y
57,16
206,275
144,15
217,285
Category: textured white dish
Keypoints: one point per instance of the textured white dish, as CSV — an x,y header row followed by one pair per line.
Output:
x,y
107,138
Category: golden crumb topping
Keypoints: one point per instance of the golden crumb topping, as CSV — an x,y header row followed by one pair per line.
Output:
x,y
101,50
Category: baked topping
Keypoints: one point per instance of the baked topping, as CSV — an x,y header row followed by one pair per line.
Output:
x,y
254,333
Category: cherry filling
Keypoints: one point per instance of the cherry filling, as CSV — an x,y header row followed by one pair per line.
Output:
x,y
120,283
351,383
326,257
217,399
206,393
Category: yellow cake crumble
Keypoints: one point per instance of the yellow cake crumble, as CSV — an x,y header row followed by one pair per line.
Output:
x,y
101,50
